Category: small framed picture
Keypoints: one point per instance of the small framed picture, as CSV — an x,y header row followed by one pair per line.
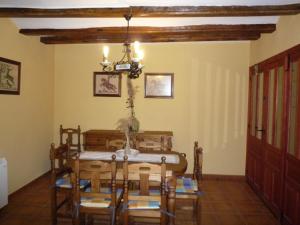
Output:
x,y
159,85
10,74
107,84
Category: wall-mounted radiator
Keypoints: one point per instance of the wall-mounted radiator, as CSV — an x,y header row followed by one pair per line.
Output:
x,y
3,183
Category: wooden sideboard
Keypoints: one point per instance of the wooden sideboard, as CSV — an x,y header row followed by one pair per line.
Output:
x,y
97,140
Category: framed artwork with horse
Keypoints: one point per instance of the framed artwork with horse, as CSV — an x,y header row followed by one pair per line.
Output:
x,y
107,84
10,74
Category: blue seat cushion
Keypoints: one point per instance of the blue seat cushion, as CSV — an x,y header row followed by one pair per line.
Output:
x,y
139,204
106,190
151,192
95,202
99,202
186,186
65,182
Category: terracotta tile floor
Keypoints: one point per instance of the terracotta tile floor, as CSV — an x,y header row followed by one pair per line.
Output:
x,y
223,203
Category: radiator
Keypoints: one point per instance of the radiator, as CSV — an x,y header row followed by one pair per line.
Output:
x,y
3,183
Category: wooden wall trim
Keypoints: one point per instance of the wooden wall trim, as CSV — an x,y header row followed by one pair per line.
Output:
x,y
147,11
152,34
224,177
135,30
230,36
220,177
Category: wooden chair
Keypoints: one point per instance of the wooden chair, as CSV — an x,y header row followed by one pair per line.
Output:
x,y
146,202
71,135
188,188
61,186
98,200
198,161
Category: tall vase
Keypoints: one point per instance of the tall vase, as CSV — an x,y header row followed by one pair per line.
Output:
x,y
127,150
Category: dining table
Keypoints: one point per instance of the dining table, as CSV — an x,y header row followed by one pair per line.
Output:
x,y
176,165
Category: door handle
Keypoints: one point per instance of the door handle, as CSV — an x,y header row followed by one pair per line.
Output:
x,y
259,130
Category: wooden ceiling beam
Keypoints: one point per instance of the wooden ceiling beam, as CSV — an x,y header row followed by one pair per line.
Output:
x,y
261,28
216,36
150,11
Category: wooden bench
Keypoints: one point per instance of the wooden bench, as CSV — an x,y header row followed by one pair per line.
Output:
x,y
98,140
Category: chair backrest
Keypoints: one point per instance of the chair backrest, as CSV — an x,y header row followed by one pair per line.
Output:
x,y
198,161
99,173
59,157
72,135
116,144
60,162
145,173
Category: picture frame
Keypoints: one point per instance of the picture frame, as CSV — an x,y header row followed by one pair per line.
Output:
x,y
10,76
159,85
107,84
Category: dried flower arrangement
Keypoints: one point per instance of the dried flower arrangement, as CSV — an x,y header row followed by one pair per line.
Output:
x,y
130,125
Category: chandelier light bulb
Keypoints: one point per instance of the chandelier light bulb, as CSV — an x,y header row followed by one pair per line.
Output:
x,y
140,55
136,46
105,51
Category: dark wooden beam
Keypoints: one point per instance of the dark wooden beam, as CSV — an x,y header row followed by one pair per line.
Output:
x,y
216,36
147,11
110,31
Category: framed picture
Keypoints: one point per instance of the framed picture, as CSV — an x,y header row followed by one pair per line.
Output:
x,y
10,74
107,84
159,85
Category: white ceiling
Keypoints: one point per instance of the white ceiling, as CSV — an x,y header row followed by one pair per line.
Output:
x,y
110,22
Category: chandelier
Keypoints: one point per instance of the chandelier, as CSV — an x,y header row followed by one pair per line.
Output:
x,y
131,65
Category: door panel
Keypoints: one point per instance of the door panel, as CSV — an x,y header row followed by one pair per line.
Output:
x,y
250,168
254,144
290,206
272,143
279,109
291,210
294,111
293,105
271,88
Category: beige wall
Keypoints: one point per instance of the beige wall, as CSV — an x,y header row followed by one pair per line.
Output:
x,y
210,101
287,35
26,121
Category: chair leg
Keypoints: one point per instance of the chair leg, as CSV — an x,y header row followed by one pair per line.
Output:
x,y
53,205
89,219
69,205
163,219
198,212
125,217
76,219
113,216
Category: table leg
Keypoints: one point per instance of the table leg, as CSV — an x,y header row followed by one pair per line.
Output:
x,y
171,199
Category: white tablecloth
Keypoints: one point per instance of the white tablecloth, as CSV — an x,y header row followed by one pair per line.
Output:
x,y
141,157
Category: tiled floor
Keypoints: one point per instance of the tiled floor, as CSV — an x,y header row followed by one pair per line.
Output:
x,y
223,203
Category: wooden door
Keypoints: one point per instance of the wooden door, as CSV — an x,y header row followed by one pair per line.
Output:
x,y
254,167
291,208
273,133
